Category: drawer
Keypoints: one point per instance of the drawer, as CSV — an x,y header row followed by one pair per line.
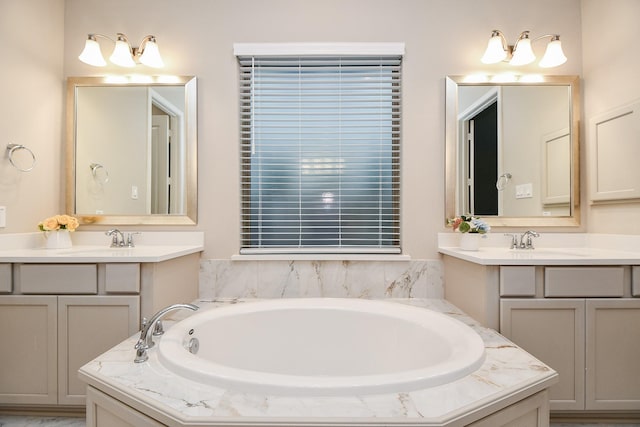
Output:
x,y
5,278
517,281
584,281
635,280
58,278
122,278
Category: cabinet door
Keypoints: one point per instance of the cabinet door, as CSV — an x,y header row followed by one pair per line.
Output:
x,y
552,331
613,354
28,353
87,327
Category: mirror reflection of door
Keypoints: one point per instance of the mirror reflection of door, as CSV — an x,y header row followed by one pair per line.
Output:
x,y
483,170
160,164
167,153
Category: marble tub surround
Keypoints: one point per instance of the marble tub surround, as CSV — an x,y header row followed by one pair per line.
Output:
x,y
338,279
550,249
93,246
507,375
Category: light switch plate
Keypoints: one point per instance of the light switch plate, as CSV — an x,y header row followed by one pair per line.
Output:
x,y
524,191
3,216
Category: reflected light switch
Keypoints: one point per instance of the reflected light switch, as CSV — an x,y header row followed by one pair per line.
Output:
x,y
134,192
3,216
524,191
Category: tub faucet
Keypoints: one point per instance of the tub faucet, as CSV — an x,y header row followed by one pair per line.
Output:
x,y
145,341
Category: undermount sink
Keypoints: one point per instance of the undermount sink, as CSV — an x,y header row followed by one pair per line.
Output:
x,y
573,252
96,251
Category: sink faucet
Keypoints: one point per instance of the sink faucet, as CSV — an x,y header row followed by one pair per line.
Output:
x,y
145,341
524,242
115,241
528,244
118,238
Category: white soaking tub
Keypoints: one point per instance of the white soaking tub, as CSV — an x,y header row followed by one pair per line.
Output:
x,y
321,347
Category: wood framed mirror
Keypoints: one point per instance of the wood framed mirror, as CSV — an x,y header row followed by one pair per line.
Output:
x,y
132,150
512,151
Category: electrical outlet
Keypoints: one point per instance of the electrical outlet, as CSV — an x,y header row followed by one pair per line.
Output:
x,y
3,216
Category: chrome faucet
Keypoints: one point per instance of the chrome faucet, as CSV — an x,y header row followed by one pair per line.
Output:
x,y
115,241
119,240
524,242
514,240
145,341
528,235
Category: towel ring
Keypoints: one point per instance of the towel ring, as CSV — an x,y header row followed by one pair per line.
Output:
x,y
502,181
11,148
104,178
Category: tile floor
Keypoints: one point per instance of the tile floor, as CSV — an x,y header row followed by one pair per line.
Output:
x,y
14,421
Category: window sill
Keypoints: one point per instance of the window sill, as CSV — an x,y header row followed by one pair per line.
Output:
x,y
321,257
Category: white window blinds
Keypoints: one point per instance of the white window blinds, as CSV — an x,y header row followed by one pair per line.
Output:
x,y
320,153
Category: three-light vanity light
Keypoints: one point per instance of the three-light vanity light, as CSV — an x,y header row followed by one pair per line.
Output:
x,y
521,53
123,54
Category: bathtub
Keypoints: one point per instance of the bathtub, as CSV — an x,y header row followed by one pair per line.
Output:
x,y
321,347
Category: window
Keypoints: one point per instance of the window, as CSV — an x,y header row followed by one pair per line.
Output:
x,y
320,153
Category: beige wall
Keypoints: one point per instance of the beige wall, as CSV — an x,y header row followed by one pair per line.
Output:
x,y
31,109
611,68
442,37
118,143
196,37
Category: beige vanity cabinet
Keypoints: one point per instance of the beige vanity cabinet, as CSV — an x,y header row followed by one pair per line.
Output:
x,y
613,354
29,350
582,320
57,320
554,332
593,344
46,339
585,327
87,327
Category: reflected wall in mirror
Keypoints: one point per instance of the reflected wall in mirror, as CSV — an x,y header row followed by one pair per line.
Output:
x,y
512,151
132,150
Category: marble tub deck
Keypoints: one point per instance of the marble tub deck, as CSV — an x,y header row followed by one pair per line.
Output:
x,y
14,421
507,373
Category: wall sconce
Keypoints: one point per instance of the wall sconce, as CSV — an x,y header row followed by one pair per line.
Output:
x,y
123,54
521,52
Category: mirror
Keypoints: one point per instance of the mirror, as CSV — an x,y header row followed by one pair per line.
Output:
x,y
512,151
132,150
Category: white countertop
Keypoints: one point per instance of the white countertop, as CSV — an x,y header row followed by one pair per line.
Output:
x,y
507,375
93,247
550,249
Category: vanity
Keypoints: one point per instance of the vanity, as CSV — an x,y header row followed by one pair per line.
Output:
x,y
61,308
573,302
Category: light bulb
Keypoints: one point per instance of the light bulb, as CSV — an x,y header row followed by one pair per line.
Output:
x,y
554,55
122,53
523,53
151,54
91,53
495,50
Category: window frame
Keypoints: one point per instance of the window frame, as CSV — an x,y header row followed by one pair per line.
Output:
x,y
280,50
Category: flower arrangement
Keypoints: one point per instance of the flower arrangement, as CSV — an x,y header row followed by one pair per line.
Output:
x,y
469,224
59,222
